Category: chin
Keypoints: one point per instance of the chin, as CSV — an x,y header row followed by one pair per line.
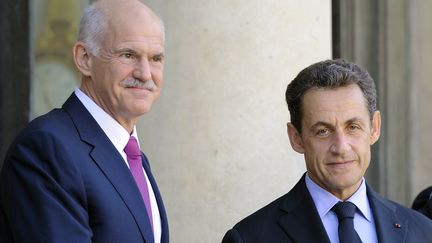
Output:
x,y
141,106
142,110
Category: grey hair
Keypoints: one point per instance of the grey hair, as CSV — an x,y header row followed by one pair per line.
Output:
x,y
92,26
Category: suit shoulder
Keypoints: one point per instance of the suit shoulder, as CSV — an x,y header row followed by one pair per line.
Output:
x,y
413,216
55,119
43,136
264,217
265,221
419,223
55,123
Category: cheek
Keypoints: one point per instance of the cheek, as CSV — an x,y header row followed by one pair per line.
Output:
x,y
157,72
316,152
102,73
366,156
319,148
119,72
158,78
363,151
361,145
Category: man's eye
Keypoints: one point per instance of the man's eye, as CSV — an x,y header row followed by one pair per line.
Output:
x,y
127,55
157,58
353,128
322,132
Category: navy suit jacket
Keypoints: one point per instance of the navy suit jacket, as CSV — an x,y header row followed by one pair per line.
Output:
x,y
294,218
64,181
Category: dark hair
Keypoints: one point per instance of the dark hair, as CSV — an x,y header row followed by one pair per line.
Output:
x,y
423,202
329,74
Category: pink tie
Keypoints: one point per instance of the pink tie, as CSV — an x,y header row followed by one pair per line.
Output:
x,y
133,154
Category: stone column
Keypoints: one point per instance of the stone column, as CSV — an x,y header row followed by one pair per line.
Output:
x,y
391,39
14,70
217,139
421,74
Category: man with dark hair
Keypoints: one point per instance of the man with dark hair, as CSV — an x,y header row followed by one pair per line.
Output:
x,y
76,174
334,122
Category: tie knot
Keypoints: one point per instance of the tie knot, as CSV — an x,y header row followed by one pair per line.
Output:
x,y
132,148
344,210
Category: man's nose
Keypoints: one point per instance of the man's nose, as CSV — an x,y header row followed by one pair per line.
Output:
x,y
340,143
143,69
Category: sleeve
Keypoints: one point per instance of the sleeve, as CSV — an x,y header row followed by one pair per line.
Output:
x,y
42,194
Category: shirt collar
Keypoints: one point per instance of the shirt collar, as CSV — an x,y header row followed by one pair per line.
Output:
x,y
324,200
115,132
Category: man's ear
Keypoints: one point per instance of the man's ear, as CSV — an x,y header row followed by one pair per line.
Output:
x,y
81,58
295,138
375,127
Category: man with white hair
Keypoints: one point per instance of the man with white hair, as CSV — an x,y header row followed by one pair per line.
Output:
x,y
77,174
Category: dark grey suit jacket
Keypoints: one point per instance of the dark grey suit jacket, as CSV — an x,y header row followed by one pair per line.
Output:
x,y
294,218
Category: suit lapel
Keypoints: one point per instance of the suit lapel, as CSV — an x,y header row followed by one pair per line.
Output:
x,y
303,224
389,228
301,221
162,213
110,163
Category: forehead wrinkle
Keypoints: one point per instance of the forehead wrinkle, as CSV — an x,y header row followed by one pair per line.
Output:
x,y
138,49
124,15
324,103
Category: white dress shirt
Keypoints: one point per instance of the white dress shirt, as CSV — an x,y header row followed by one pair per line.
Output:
x,y
363,219
118,135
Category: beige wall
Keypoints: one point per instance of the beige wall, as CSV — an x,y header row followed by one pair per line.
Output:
x,y
217,137
421,74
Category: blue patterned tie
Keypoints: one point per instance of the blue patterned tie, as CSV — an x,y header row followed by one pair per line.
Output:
x,y
345,213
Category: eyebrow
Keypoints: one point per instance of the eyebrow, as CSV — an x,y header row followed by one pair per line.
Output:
x,y
320,123
124,50
326,124
130,50
161,54
354,119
